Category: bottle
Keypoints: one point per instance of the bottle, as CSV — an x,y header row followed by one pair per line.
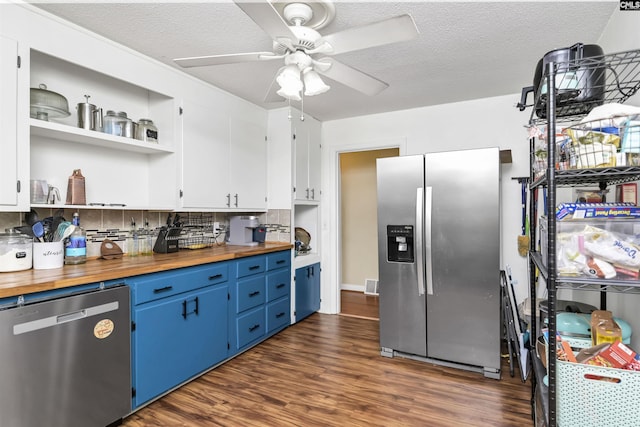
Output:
x,y
145,240
75,251
132,244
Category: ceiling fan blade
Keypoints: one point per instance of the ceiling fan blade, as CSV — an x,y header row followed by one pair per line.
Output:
x,y
392,30
267,17
233,58
353,78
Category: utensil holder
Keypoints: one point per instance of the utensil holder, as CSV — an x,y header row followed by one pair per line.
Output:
x,y
48,255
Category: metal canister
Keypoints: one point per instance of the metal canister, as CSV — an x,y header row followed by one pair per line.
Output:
x,y
127,125
89,116
147,131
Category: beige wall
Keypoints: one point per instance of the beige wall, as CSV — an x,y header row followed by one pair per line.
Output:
x,y
359,218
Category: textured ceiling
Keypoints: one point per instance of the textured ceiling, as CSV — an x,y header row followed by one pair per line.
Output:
x,y
465,50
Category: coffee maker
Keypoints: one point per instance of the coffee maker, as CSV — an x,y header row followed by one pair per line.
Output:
x,y
245,231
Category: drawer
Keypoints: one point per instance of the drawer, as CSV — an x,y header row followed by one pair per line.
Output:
x,y
250,292
278,260
278,284
278,314
251,326
150,287
251,265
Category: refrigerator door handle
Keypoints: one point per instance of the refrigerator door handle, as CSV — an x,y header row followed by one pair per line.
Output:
x,y
419,235
427,238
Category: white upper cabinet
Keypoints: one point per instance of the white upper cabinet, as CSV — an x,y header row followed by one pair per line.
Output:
x,y
9,180
223,160
294,159
205,153
307,154
211,157
248,165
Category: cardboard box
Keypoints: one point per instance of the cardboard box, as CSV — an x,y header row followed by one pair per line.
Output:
x,y
618,355
569,211
627,193
603,328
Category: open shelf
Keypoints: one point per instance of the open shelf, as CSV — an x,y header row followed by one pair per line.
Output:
x,y
61,132
106,206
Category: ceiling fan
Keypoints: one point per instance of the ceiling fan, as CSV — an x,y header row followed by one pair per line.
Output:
x,y
293,25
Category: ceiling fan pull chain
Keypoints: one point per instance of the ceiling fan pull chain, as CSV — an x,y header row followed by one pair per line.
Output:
x,y
302,107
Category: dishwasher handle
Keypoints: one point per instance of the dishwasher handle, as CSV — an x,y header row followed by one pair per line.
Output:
x,y
70,317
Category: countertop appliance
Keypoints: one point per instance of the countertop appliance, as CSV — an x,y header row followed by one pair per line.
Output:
x,y
66,360
439,256
241,230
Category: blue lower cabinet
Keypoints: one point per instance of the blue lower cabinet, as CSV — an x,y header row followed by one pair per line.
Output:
x,y
278,314
278,284
259,303
307,291
177,337
251,326
187,320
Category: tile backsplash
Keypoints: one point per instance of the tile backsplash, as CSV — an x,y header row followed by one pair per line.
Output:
x,y
116,224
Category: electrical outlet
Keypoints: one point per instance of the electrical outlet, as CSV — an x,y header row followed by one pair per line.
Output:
x,y
216,227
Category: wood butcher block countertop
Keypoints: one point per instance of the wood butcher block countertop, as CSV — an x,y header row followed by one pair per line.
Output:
x,y
98,270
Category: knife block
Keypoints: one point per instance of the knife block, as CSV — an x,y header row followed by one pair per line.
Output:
x,y
167,241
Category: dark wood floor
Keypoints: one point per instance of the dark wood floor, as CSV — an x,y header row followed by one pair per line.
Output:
x,y
358,304
327,371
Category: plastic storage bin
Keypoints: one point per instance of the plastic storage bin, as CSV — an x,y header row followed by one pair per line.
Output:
x,y
614,241
595,396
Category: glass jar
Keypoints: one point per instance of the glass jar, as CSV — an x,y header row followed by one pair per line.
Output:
x,y
147,131
15,251
112,124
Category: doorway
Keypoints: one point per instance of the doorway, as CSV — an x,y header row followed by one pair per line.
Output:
x,y
359,230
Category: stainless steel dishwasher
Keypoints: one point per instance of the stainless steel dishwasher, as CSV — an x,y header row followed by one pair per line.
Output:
x,y
65,361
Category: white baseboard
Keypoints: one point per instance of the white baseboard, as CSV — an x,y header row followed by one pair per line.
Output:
x,y
351,287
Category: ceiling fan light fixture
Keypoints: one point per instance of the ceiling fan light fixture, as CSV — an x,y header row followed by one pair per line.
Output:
x,y
290,83
313,84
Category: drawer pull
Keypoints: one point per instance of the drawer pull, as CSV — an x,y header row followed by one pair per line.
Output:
x,y
281,261
215,276
195,310
254,327
254,267
253,294
279,315
160,290
280,286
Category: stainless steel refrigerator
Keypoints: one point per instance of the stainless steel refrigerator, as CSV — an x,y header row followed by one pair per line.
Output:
x,y
439,258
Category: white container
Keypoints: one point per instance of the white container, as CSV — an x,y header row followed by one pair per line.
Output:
x,y
48,255
15,252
